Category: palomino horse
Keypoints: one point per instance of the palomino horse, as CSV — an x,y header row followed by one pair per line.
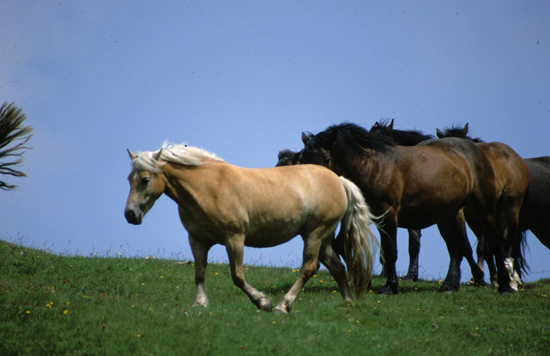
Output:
x,y
512,180
436,182
224,204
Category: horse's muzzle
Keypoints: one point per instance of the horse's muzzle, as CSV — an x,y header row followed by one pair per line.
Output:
x,y
132,217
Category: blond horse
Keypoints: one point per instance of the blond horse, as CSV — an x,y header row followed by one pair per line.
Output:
x,y
224,204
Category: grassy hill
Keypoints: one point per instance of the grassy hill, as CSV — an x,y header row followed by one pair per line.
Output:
x,y
62,305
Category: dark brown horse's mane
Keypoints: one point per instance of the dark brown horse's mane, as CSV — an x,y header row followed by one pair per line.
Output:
x,y
347,137
401,137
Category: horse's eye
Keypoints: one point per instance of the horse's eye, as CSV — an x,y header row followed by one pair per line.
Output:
x,y
144,181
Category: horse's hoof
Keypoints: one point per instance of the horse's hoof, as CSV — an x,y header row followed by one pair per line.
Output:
x,y
266,307
387,290
410,277
279,311
481,283
447,289
508,290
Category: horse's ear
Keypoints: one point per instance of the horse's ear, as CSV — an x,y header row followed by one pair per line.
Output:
x,y
465,129
132,155
389,129
157,156
305,138
439,133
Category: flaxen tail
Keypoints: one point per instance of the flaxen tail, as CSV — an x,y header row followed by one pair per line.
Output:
x,y
360,242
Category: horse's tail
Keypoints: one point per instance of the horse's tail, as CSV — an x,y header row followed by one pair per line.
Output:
x,y
360,243
519,256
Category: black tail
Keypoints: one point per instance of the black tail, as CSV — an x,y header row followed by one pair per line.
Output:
x,y
518,253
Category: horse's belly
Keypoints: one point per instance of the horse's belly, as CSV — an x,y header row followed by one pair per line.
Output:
x,y
267,241
421,218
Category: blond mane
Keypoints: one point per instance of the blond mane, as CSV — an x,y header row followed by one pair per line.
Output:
x,y
176,153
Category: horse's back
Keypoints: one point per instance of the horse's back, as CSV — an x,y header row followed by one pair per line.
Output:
x,y
317,185
289,200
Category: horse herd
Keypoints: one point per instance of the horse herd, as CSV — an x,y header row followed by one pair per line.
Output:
x,y
386,177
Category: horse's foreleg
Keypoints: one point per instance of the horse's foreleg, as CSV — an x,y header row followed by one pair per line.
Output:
x,y
235,247
200,254
330,259
312,247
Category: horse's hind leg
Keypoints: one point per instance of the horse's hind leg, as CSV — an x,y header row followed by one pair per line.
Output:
x,y
454,234
483,254
330,259
235,248
312,246
414,252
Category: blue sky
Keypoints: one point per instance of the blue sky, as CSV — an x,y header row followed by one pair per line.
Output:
x,y
243,79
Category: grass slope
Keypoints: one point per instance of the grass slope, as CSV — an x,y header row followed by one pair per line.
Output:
x,y
59,305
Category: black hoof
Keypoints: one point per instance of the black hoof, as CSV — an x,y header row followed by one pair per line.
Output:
x,y
478,283
411,277
387,290
506,290
448,289
481,284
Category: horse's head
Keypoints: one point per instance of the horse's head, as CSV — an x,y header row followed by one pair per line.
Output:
x,y
288,158
455,131
313,153
146,186
382,127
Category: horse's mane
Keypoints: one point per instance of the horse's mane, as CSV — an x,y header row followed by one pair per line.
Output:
x,y
457,131
401,137
347,136
175,153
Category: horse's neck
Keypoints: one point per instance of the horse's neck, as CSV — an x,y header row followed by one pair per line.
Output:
x,y
405,138
366,167
189,184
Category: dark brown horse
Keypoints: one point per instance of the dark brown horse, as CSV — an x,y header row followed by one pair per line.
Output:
x,y
436,182
536,204
512,177
288,158
405,138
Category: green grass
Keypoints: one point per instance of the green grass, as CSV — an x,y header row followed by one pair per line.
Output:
x,y
62,305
